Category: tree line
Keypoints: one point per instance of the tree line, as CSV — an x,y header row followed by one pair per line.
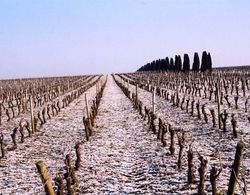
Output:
x,y
176,64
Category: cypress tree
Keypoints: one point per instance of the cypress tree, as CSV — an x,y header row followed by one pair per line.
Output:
x,y
153,66
204,61
176,64
180,62
158,65
167,64
148,67
196,63
171,67
186,63
209,62
162,65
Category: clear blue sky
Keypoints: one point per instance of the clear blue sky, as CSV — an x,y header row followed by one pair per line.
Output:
x,y
72,37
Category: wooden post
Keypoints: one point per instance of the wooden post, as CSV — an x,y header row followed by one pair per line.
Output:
x,y
177,91
153,100
172,147
45,177
78,156
191,175
181,142
234,124
87,108
2,145
218,102
32,115
235,168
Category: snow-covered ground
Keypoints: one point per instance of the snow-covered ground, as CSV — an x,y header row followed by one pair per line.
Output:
x,y
55,139
122,156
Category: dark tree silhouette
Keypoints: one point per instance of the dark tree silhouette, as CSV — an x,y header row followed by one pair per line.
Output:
x,y
161,64
196,63
186,63
153,66
158,65
204,61
171,67
148,67
177,63
209,62
167,64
